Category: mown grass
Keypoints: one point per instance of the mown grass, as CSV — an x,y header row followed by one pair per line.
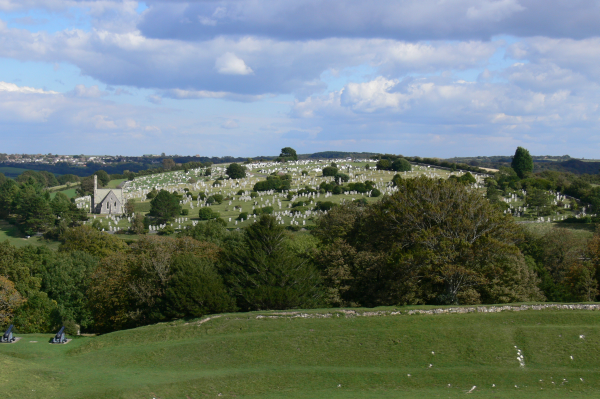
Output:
x,y
15,237
238,355
71,193
115,183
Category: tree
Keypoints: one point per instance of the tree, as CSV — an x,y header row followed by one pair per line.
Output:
x,y
168,163
267,274
383,164
103,177
130,207
522,162
165,206
430,242
401,165
206,213
235,171
10,300
65,278
8,194
195,289
92,241
137,224
330,171
33,209
288,154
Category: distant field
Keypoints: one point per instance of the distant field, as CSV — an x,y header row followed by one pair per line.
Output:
x,y
244,356
115,183
71,193
11,172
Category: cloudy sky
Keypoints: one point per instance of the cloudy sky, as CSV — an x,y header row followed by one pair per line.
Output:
x,y
247,77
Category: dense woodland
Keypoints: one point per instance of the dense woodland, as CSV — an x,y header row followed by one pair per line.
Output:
x,y
433,241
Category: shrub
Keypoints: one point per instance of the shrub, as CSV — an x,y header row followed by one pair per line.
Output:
x,y
206,213
401,165
185,212
325,205
218,198
375,193
243,215
330,171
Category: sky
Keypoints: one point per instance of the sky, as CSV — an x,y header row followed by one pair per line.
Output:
x,y
429,78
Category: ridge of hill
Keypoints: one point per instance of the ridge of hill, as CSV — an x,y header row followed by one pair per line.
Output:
x,y
510,354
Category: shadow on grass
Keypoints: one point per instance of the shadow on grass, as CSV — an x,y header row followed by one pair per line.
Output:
x,y
10,230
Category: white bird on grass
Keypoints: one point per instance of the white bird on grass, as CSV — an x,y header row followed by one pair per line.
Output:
x,y
472,389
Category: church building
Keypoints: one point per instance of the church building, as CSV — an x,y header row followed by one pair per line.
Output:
x,y
107,201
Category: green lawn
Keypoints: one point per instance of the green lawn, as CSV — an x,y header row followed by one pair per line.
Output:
x,y
71,193
16,238
240,356
115,183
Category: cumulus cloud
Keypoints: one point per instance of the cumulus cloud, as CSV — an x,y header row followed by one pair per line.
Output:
x,y
276,67
230,64
13,88
437,104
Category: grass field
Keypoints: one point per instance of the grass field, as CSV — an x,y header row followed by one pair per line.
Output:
x,y
115,183
239,355
16,238
11,172
71,193
580,230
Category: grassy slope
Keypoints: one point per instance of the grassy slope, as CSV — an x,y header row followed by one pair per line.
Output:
x,y
238,355
16,238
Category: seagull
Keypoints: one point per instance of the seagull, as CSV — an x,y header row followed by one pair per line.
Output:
x,y
474,386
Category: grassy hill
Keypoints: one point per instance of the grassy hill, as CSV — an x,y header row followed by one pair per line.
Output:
x,y
340,356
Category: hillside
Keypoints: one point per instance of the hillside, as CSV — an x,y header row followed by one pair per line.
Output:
x,y
331,354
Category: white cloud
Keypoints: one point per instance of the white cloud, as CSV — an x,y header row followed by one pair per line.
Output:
x,y
230,64
13,88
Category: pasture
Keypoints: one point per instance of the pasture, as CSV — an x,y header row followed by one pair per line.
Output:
x,y
325,353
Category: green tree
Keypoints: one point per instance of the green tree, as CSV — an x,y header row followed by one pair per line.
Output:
x,y
235,171
165,206
195,289
432,242
330,171
267,274
384,164
66,278
92,241
103,177
288,154
401,165
522,162
9,192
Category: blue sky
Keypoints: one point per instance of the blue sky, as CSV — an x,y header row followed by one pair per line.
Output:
x,y
248,77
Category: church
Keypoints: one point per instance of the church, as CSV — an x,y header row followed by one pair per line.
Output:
x,y
107,201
